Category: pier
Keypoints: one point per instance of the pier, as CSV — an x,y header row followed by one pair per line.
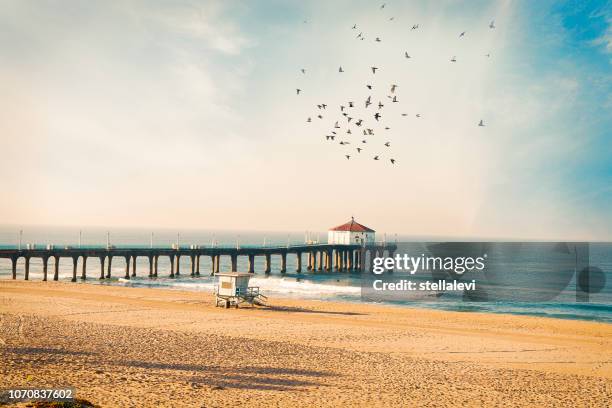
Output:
x,y
320,257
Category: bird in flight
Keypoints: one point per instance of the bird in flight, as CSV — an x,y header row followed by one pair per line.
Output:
x,y
340,69
414,27
342,108
492,24
374,70
375,157
393,88
394,98
348,131
370,132
365,133
303,71
404,114
369,86
358,123
387,144
348,118
406,54
462,34
359,149
377,39
392,161
360,35
336,126
355,27
392,18
481,123
351,105
383,6
329,137
298,90
344,143
368,101
454,59
377,116
363,141
487,55
319,116
380,105
387,128
418,115
347,157
309,120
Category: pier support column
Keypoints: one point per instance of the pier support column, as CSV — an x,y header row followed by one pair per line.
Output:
x,y
127,267
268,263
171,266
178,265
343,260
155,263
372,256
218,264
328,261
349,260
102,259
14,267
192,257
336,260
45,263
197,265
109,267
283,262
75,261
251,263
56,268
84,270
150,266
298,268
213,260
321,260
134,266
314,261
309,267
234,263
27,268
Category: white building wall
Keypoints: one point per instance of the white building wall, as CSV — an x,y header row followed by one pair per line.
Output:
x,y
349,237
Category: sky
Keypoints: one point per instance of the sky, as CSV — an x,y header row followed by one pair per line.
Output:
x,y
184,114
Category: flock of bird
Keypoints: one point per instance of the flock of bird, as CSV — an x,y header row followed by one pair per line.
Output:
x,y
348,115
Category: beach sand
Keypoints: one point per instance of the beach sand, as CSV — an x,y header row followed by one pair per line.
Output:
x,y
139,347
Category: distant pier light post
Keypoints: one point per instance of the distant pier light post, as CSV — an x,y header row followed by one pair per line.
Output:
x,y
108,244
20,238
80,238
151,243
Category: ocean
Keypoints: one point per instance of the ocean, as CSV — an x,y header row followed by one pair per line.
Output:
x,y
526,270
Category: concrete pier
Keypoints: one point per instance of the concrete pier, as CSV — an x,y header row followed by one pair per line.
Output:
x,y
321,257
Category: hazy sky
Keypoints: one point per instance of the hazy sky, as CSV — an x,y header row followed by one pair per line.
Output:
x,y
185,115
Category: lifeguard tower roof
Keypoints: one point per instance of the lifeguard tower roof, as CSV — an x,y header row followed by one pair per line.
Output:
x,y
352,226
233,274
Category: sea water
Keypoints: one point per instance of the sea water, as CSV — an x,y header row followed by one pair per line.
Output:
x,y
318,285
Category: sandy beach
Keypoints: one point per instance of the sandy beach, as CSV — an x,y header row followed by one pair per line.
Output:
x,y
136,347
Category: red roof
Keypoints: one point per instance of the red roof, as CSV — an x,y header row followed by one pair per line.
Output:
x,y
352,226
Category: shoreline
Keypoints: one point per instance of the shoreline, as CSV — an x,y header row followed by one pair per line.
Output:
x,y
167,333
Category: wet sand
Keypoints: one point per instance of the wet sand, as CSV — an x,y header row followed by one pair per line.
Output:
x,y
137,347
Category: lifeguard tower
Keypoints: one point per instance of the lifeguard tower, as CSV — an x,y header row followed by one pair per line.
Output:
x,y
233,289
